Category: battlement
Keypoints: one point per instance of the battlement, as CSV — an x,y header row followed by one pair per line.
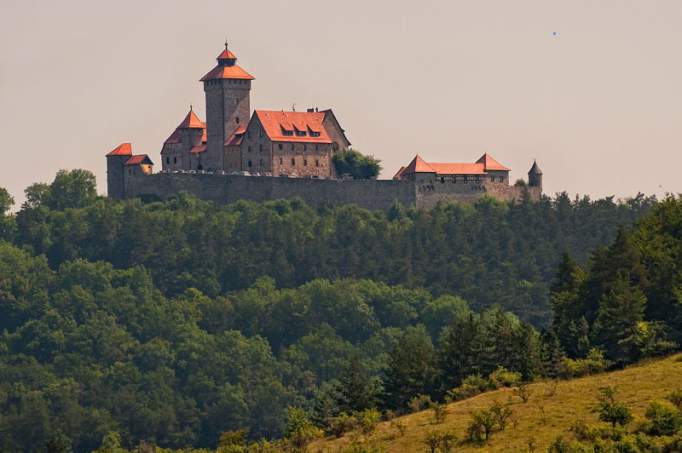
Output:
x,y
369,194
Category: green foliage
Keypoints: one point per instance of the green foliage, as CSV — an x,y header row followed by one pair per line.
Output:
x,y
523,391
663,419
502,377
440,441
299,430
471,386
611,410
592,364
357,165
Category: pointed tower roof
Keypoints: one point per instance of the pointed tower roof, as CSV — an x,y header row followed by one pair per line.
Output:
x,y
489,163
191,121
418,165
535,169
227,68
124,149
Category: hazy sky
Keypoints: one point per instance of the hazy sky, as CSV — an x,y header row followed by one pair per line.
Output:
x,y
599,103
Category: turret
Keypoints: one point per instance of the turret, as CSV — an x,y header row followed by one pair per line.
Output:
x,y
227,87
116,160
535,176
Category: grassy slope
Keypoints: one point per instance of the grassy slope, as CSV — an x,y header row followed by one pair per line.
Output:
x,y
542,418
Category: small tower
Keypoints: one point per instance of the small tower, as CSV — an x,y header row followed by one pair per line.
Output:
x,y
535,176
116,160
228,88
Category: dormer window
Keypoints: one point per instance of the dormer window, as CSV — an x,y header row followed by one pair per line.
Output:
x,y
300,133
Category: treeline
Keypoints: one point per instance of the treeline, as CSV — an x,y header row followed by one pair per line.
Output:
x,y
490,253
175,323
628,300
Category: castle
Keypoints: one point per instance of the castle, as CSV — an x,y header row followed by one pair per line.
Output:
x,y
270,154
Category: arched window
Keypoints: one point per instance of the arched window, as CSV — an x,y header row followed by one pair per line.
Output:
x,y
305,162
249,163
293,161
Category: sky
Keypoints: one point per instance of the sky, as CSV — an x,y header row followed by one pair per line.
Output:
x,y
591,89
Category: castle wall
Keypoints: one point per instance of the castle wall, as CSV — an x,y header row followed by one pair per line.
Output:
x,y
370,194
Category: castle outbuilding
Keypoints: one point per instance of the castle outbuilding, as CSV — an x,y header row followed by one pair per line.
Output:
x,y
269,154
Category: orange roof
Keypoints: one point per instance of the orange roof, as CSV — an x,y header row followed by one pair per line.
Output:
x,y
491,164
399,173
124,149
227,72
458,169
283,126
236,137
226,55
418,165
198,149
480,167
139,159
192,121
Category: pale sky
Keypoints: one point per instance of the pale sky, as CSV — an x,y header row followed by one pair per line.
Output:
x,y
592,89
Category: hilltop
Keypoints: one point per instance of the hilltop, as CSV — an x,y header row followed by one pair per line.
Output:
x,y
542,418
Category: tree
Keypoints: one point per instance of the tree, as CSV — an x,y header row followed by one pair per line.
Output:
x,y
610,409
6,201
411,368
358,389
300,431
72,189
359,166
6,222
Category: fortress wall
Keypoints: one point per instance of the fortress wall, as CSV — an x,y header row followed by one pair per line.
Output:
x,y
434,191
370,194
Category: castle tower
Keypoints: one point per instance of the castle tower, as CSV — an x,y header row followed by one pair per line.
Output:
x,y
227,88
116,160
535,176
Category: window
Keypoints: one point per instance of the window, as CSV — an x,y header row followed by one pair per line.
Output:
x,y
305,162
466,178
236,120
305,147
168,160
293,161
280,146
300,133
317,163
249,163
442,179
317,147
281,161
260,148
175,160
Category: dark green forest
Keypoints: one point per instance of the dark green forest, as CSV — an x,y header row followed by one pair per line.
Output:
x,y
174,322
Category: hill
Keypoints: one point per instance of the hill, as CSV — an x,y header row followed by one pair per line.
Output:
x,y
542,418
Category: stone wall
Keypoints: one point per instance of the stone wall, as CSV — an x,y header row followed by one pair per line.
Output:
x,y
370,194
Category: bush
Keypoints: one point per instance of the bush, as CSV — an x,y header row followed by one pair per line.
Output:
x,y
502,377
592,364
368,420
471,386
420,403
523,391
357,165
663,419
675,397
341,424
440,411
440,441
484,422
610,410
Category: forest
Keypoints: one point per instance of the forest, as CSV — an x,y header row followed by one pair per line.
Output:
x,y
177,323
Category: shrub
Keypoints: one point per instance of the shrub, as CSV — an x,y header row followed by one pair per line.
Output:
x,y
592,364
501,415
440,411
610,410
502,377
341,424
675,397
442,442
481,426
399,426
663,419
368,420
355,164
471,386
420,403
523,391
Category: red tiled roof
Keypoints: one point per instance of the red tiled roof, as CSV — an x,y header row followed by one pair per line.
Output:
x,y
124,149
227,72
226,55
480,167
139,159
458,169
418,165
301,125
399,173
192,121
198,149
491,164
236,137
